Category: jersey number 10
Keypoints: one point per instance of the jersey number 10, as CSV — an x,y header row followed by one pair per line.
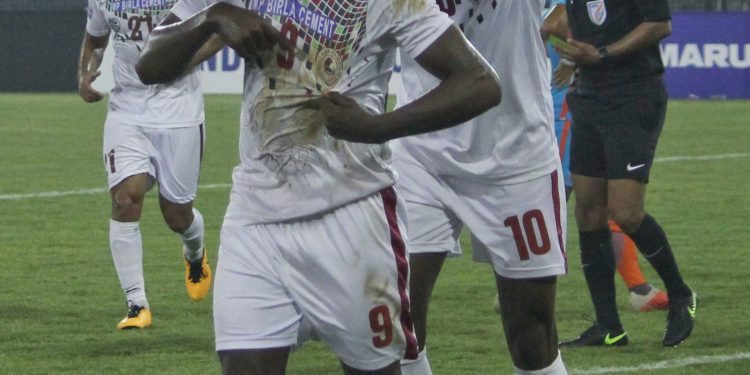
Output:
x,y
534,233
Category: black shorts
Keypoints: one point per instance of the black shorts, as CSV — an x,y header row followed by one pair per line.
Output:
x,y
615,130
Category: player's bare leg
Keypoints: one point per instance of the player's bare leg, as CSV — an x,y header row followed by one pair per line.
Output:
x,y
128,196
254,361
591,203
186,221
424,271
127,247
527,307
392,369
177,216
643,296
625,199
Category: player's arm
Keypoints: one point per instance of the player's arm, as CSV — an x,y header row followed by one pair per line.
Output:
x,y
468,87
556,23
563,74
92,51
656,26
555,26
171,48
210,48
644,35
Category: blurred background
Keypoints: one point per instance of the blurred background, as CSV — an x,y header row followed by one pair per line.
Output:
x,y
707,56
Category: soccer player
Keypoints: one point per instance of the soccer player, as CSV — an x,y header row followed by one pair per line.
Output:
x,y
499,175
619,104
152,134
643,296
313,229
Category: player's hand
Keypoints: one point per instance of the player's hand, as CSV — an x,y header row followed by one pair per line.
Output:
x,y
346,120
578,52
563,75
246,32
87,92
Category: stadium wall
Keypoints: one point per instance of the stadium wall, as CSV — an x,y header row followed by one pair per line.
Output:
x,y
42,40
707,56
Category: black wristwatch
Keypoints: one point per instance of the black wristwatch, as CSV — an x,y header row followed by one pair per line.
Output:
x,y
603,54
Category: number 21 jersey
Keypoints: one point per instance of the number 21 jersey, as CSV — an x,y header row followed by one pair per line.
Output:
x,y
176,104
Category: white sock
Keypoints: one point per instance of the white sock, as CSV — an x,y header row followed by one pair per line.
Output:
x,y
419,366
556,368
192,239
127,254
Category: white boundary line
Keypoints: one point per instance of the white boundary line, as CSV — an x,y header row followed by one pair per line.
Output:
x,y
52,194
701,158
669,364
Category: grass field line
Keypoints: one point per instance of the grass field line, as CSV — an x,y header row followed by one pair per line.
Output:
x,y
700,158
52,194
669,364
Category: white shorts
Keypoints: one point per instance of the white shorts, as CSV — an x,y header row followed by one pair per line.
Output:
x,y
171,156
345,272
519,228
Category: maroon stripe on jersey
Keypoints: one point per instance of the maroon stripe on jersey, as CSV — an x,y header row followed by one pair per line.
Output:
x,y
558,222
111,156
402,264
200,128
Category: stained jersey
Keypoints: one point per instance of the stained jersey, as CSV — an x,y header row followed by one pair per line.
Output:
x,y
514,141
290,167
177,104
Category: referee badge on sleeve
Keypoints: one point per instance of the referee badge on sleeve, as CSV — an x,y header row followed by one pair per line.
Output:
x,y
597,11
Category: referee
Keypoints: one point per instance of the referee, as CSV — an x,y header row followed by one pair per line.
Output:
x,y
619,103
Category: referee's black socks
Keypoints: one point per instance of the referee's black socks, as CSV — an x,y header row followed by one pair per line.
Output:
x,y
598,262
654,245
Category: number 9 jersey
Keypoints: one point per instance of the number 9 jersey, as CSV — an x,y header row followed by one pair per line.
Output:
x,y
177,104
290,166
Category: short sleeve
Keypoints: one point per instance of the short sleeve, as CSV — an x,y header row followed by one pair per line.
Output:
x,y
96,22
417,25
653,10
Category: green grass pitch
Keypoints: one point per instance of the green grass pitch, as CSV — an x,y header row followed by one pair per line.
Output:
x,y
60,298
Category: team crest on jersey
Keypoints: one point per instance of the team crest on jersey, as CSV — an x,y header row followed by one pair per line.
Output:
x,y
328,67
597,11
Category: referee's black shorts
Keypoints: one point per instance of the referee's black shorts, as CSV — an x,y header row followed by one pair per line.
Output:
x,y
615,129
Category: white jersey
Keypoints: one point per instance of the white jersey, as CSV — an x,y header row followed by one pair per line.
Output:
x,y
177,104
290,166
514,141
